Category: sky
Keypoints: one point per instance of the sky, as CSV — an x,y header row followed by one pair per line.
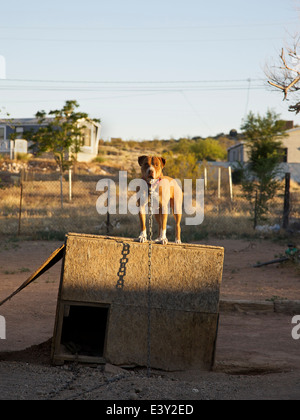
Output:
x,y
148,69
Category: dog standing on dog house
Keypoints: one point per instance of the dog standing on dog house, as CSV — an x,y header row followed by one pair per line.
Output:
x,y
167,193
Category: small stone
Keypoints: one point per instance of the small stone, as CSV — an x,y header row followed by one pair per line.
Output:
x,y
133,396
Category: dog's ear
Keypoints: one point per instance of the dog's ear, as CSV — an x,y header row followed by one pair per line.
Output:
x,y
141,160
163,161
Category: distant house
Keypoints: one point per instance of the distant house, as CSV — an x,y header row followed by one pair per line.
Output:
x,y
91,138
238,153
16,128
291,146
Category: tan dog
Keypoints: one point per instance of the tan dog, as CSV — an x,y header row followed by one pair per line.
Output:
x,y
167,192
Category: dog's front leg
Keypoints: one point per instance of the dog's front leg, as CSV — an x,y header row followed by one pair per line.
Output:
x,y
143,235
164,219
162,222
158,220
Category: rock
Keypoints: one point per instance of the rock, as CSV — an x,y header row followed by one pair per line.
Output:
x,y
133,396
114,370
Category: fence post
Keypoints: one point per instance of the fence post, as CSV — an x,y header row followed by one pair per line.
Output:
x,y
286,206
230,182
219,182
61,191
205,179
20,209
70,184
255,210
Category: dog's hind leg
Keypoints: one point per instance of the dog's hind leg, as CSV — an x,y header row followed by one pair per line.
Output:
x,y
162,222
162,239
158,220
177,218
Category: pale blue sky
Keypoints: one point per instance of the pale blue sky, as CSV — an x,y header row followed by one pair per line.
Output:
x,y
70,49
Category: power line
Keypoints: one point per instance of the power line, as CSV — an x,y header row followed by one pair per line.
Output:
x,y
119,89
175,89
150,28
131,81
140,41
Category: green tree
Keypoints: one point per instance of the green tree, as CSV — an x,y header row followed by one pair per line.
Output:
x,y
182,146
183,166
262,135
61,133
208,149
202,149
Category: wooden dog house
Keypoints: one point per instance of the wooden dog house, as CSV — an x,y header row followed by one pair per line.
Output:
x,y
103,303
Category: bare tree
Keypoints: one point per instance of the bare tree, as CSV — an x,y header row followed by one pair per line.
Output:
x,y
285,75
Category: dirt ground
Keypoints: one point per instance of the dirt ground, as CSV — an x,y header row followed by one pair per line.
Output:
x,y
256,357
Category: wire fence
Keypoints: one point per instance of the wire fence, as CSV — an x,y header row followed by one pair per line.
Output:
x,y
31,205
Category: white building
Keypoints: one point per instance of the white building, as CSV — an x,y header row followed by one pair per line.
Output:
x,y
16,127
291,145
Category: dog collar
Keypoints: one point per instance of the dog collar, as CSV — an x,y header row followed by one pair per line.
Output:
x,y
152,185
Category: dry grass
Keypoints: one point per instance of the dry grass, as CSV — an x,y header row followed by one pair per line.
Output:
x,y
42,215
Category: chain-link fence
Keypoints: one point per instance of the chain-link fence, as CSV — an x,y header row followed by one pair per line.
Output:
x,y
32,206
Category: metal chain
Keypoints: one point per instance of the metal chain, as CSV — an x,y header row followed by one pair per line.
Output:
x,y
150,221
122,269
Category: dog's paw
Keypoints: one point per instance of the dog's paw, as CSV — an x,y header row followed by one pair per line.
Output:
x,y
162,241
178,241
142,238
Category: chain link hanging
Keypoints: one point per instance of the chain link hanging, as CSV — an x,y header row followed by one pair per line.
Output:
x,y
150,221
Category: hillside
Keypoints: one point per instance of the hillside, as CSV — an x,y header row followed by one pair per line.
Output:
x,y
123,155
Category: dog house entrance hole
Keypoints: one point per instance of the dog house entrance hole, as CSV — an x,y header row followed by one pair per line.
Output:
x,y
84,330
